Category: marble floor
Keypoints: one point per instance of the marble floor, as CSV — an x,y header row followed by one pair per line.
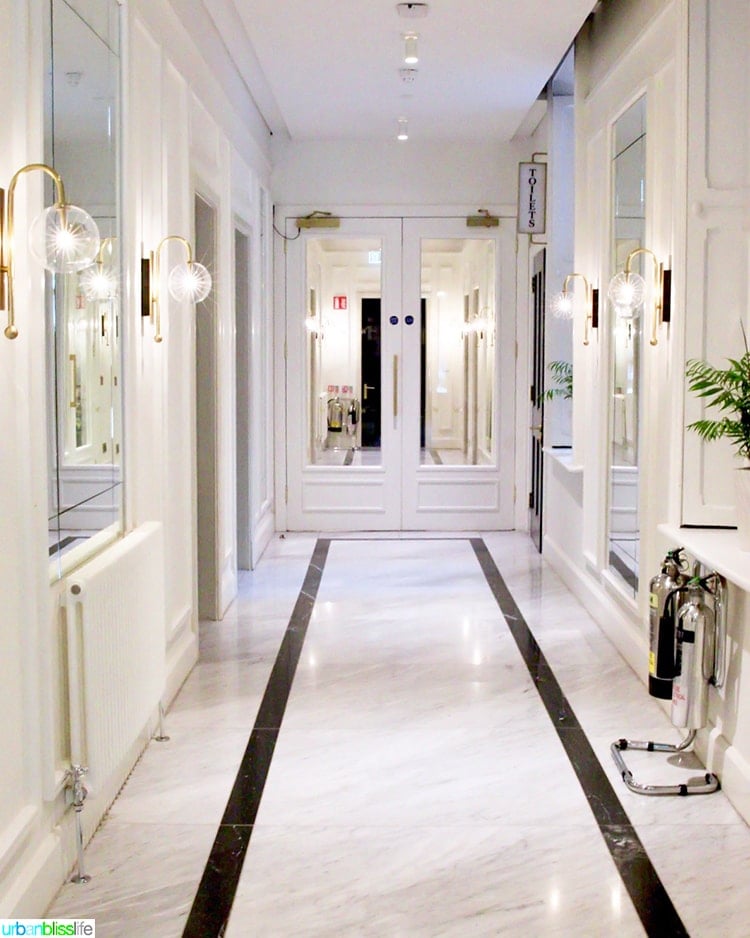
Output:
x,y
399,736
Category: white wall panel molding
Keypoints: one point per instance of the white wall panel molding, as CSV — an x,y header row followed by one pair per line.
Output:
x,y
652,65
184,27
718,241
176,432
14,838
211,171
245,191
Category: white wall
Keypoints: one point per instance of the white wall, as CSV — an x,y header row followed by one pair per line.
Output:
x,y
407,173
626,50
190,123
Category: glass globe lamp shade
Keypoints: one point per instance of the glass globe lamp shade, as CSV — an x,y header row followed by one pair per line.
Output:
x,y
561,305
98,283
189,282
64,238
626,293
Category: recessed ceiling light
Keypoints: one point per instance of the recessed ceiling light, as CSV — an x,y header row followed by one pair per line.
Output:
x,y
412,10
411,57
403,129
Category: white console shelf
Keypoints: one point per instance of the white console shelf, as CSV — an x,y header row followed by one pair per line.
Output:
x,y
716,548
563,456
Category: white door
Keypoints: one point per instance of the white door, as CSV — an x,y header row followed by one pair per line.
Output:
x,y
400,376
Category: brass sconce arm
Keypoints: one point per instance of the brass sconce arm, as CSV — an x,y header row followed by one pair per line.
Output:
x,y
662,289
189,281
65,238
562,304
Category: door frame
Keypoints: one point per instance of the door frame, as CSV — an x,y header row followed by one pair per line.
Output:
x,y
536,424
515,331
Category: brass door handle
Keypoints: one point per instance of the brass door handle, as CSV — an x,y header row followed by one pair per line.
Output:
x,y
395,386
365,389
72,360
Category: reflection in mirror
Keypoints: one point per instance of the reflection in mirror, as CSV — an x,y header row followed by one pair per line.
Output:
x,y
629,191
83,345
344,374
458,352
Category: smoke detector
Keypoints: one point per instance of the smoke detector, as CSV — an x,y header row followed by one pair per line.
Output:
x,y
408,75
412,10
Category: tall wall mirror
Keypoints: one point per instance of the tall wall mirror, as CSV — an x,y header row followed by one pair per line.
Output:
x,y
82,140
626,338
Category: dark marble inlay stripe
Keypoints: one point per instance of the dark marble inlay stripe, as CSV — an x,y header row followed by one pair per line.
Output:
x,y
213,901
652,903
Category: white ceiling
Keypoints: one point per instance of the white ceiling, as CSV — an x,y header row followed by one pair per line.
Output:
x,y
331,67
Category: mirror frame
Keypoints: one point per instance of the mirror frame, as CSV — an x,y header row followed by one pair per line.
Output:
x,y
625,575
71,487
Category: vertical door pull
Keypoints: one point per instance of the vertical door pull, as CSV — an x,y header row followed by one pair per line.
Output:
x,y
395,386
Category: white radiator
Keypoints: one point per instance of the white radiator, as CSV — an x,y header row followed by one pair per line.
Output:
x,y
116,650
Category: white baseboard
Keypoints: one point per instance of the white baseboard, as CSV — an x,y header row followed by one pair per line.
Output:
x,y
262,534
182,655
621,630
726,761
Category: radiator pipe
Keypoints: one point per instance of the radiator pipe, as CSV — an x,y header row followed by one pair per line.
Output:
x,y
78,792
161,737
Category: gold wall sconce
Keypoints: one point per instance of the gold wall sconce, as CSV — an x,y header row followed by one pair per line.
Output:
x,y
63,238
100,281
627,292
561,304
189,281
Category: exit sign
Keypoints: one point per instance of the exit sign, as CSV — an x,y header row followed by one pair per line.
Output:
x,y
339,302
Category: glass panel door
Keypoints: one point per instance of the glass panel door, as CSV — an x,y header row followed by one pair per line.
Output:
x,y
400,376
344,360
343,347
459,375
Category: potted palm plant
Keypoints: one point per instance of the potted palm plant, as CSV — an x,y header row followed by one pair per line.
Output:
x,y
728,390
562,375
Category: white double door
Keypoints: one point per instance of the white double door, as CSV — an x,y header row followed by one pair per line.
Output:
x,y
400,376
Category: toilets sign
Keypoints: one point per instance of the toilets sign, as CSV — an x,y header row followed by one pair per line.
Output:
x,y
339,302
532,198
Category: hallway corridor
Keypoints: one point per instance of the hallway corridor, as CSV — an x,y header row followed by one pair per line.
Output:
x,y
425,725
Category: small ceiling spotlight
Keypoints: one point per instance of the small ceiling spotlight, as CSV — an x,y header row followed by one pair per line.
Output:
x,y
411,56
403,129
412,10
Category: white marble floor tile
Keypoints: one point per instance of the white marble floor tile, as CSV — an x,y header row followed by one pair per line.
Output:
x,y
143,879
480,880
418,787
